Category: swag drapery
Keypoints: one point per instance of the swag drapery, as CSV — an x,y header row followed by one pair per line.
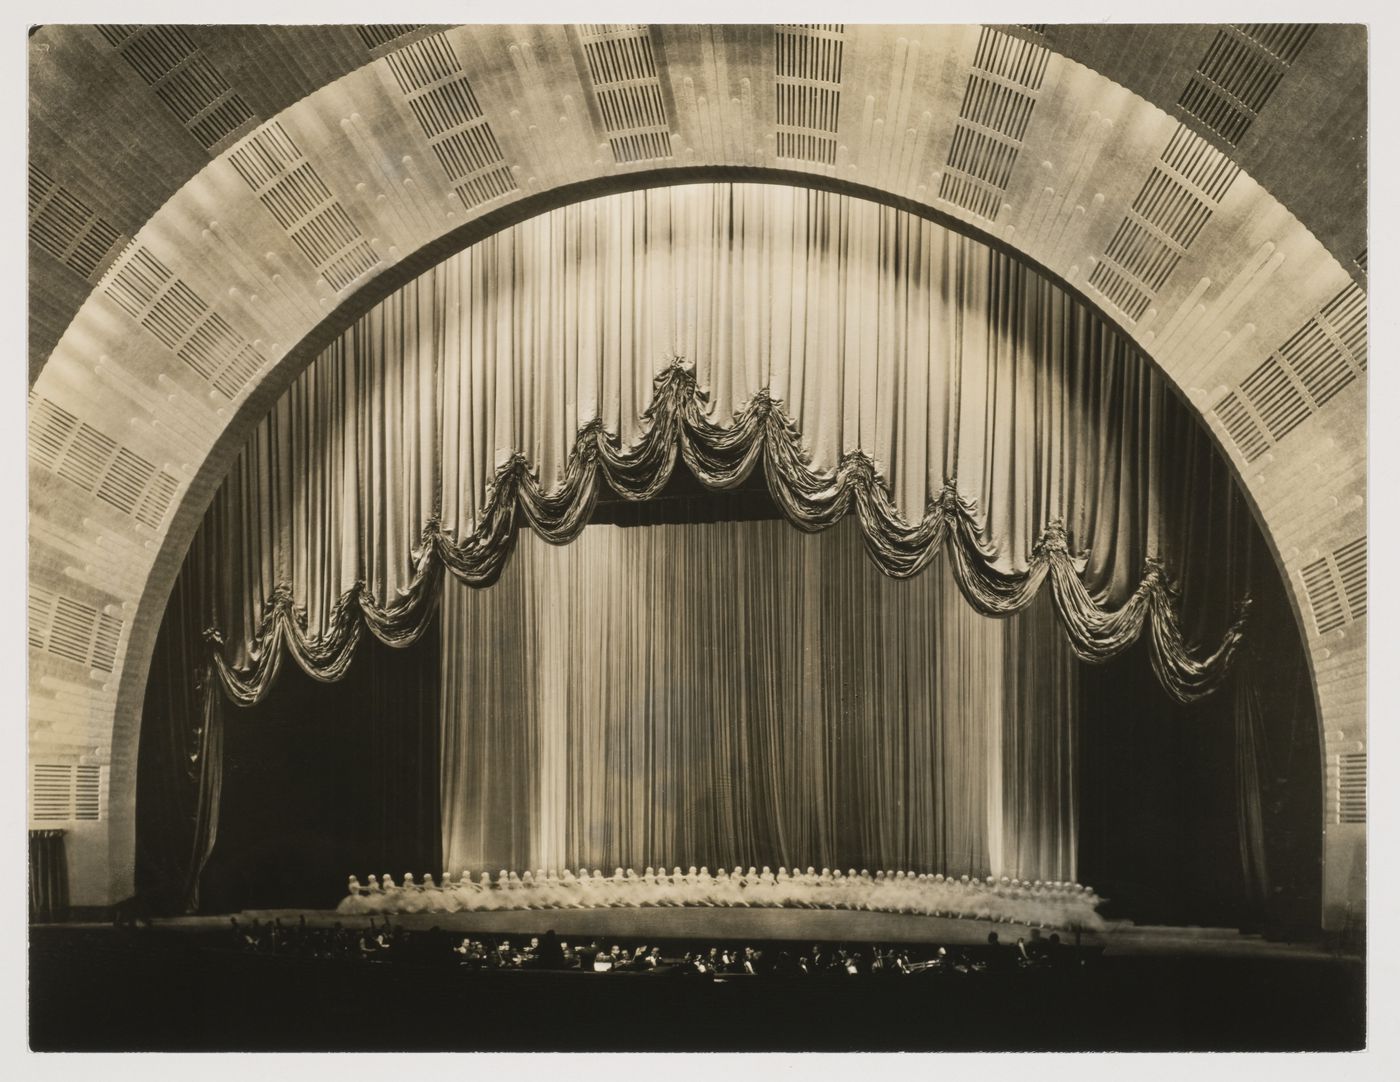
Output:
x,y
742,693
876,363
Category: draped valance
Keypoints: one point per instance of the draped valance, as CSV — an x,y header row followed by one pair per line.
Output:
x,y
874,362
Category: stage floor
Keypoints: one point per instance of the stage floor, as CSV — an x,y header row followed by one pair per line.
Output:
x,y
807,925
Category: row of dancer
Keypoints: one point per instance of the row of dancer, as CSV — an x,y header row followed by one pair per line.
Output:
x,y
1049,904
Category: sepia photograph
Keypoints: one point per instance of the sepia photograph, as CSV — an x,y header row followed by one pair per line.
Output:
x,y
697,536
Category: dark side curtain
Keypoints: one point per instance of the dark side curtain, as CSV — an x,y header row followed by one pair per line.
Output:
x,y
48,876
1207,812
179,767
271,804
320,780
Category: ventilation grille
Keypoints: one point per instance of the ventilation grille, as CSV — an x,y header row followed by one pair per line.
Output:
x,y
76,451
622,69
441,98
1143,253
807,65
1351,787
1239,421
64,226
273,166
1129,298
376,37
1336,586
1284,41
1324,356
1239,73
1350,560
66,792
1277,400
1343,319
183,78
1179,196
72,630
996,110
149,292
598,30
1013,59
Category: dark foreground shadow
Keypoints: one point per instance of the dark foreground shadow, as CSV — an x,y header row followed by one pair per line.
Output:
x,y
108,990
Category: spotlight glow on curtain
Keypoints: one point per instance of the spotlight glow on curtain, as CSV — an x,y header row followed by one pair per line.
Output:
x,y
876,361
743,693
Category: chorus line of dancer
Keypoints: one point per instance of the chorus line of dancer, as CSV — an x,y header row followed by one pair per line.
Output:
x,y
1048,904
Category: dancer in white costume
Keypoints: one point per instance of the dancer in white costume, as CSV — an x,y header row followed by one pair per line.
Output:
x,y
392,898
411,895
374,896
1049,904
354,903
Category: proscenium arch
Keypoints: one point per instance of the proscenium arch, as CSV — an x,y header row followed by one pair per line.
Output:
x,y
1210,325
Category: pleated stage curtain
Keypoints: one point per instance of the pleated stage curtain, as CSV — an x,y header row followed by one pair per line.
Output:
x,y
876,363
742,693
883,370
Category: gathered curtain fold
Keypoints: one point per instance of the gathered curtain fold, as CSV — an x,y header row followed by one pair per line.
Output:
x,y
877,364
726,693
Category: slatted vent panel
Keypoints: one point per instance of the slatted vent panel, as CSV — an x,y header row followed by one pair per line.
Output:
x,y
183,78
376,37
1281,40
1020,62
72,630
1143,253
1336,585
65,792
622,69
1344,319
1178,198
127,481
1351,787
273,166
41,608
156,500
1200,165
1316,359
440,96
1242,426
808,61
64,226
89,455
96,463
150,293
1130,299
1350,561
1277,399
1328,609
1238,74
51,427
1361,261
1322,358
997,105
1171,208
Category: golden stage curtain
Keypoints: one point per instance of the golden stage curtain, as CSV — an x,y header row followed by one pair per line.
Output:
x,y
741,693
875,362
